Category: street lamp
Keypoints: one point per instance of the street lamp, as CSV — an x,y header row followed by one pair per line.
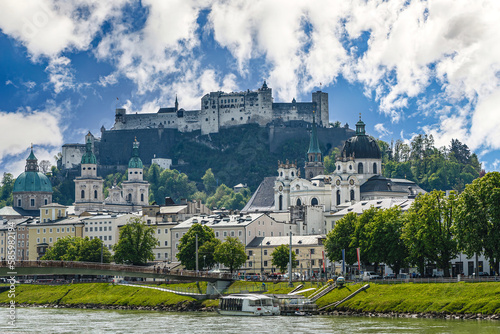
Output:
x,y
204,256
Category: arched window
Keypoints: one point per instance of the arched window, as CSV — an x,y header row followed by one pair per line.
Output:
x,y
374,168
360,168
311,175
95,194
129,197
46,201
82,194
352,195
142,197
314,201
19,202
293,174
280,203
338,167
299,202
338,197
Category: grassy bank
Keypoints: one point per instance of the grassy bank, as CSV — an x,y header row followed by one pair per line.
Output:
x,y
465,298
93,293
462,297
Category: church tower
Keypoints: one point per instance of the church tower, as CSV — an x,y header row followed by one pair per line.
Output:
x,y
88,186
135,189
287,172
314,161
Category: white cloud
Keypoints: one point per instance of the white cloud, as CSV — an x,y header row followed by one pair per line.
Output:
x,y
380,128
60,74
20,129
108,80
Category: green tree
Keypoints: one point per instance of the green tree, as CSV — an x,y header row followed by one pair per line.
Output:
x,y
209,182
281,258
428,230
361,236
78,249
477,227
340,238
384,238
6,189
231,253
136,243
207,253
187,245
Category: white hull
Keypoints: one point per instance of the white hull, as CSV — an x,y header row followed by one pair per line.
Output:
x,y
244,313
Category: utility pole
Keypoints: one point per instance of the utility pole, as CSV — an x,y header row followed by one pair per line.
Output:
x,y
197,252
102,250
261,260
290,284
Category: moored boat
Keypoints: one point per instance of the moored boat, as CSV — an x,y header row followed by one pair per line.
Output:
x,y
248,305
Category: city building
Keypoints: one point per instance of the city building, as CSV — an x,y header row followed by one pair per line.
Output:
x,y
172,212
244,227
309,254
105,227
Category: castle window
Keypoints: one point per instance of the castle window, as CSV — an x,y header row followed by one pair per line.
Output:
x,y
82,195
374,168
360,168
314,201
95,194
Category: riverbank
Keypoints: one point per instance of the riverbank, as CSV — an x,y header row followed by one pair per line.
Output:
x,y
446,300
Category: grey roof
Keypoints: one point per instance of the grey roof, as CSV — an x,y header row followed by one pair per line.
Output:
x,y
379,183
384,203
263,198
11,211
297,240
220,220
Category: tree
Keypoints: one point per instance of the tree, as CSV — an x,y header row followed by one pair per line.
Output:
x,y
340,238
136,243
428,230
384,240
187,245
78,249
477,227
361,236
6,189
207,252
281,258
231,253
45,166
209,182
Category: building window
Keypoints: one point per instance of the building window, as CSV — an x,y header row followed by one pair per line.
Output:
x,y
249,233
46,211
82,195
166,231
352,195
265,263
280,202
299,202
217,234
265,251
91,229
225,233
142,197
50,230
166,243
46,201
297,251
109,238
314,201
37,240
239,233
177,235
159,231
19,202
57,230
32,202
86,229
312,250
232,233
360,168
105,227
105,237
95,194
374,168
44,231
250,253
50,240
338,197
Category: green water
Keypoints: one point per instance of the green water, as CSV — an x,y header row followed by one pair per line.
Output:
x,y
45,320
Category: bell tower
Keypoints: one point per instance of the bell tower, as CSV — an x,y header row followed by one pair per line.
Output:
x,y
314,161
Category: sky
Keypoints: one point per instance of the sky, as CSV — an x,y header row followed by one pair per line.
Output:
x,y
409,67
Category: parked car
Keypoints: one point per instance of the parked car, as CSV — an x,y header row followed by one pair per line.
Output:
x,y
481,273
390,276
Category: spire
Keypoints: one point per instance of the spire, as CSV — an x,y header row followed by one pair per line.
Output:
x,y
31,162
313,143
176,105
89,157
264,85
360,127
135,161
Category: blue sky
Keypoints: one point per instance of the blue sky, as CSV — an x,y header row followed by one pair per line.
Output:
x,y
408,67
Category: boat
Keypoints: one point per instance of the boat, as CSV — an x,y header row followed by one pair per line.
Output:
x,y
248,305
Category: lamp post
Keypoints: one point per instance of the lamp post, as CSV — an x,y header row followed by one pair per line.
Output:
x,y
204,256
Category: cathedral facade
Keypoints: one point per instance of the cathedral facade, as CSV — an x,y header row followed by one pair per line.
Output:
x,y
89,194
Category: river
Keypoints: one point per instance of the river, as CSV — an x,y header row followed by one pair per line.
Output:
x,y
48,320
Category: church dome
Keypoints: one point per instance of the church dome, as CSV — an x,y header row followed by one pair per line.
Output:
x,y
31,180
88,157
361,146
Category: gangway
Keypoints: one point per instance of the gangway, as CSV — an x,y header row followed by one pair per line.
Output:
x,y
321,292
334,305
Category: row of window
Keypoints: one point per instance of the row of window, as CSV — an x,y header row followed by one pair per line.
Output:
x,y
297,251
100,223
100,229
105,238
32,202
360,168
61,230
158,256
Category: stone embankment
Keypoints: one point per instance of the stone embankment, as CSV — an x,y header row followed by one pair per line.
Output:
x,y
192,306
430,315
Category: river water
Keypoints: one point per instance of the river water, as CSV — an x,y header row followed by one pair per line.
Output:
x,y
47,320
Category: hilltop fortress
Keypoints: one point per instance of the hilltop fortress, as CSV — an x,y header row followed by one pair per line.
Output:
x,y
222,110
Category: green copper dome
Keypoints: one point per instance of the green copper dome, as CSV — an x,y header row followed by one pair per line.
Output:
x,y
89,157
31,179
135,161
313,143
